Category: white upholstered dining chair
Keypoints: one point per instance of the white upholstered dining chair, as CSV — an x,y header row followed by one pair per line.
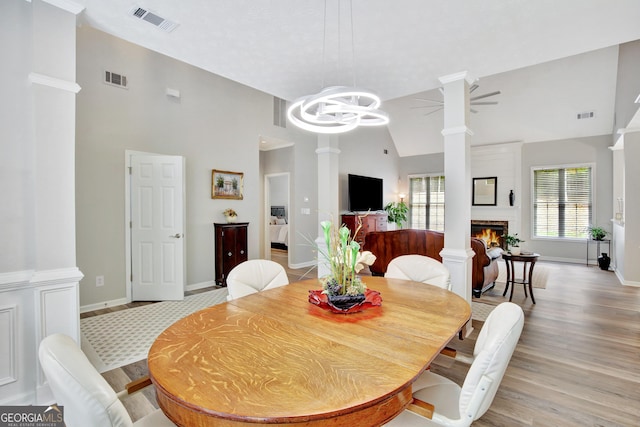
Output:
x,y
253,276
419,268
87,398
439,401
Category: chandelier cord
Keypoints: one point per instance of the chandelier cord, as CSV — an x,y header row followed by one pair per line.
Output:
x,y
324,47
353,43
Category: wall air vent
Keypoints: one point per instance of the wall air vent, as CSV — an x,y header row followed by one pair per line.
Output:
x,y
279,112
152,18
115,79
587,115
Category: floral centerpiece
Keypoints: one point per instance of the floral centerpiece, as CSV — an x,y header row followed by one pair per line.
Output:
x,y
230,215
343,290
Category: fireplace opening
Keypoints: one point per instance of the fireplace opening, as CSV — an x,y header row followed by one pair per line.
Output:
x,y
491,232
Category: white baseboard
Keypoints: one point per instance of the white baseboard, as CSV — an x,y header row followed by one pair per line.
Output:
x,y
104,304
303,264
121,301
200,285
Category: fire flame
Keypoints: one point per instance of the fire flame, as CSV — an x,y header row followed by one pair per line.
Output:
x,y
489,236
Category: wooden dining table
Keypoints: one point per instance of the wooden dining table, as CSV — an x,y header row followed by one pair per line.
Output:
x,y
273,358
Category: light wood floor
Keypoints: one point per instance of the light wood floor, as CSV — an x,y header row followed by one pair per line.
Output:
x,y
577,362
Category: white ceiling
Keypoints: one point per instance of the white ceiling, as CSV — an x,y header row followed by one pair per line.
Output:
x,y
550,59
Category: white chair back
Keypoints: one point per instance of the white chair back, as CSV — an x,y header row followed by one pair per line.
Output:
x,y
419,268
253,276
87,398
493,350
460,406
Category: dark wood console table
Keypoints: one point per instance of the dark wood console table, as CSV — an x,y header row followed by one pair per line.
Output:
x,y
527,279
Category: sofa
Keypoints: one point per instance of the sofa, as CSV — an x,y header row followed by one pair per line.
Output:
x,y
386,245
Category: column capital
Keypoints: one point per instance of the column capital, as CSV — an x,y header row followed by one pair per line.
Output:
x,y
463,75
456,130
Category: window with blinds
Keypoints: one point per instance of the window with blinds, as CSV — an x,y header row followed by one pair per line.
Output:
x,y
426,202
562,202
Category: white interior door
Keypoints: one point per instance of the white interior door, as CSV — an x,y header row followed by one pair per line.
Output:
x,y
157,228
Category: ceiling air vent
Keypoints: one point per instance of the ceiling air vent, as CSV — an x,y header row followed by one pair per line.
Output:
x,y
115,79
587,115
152,18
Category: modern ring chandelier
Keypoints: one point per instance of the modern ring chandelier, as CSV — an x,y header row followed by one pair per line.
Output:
x,y
337,109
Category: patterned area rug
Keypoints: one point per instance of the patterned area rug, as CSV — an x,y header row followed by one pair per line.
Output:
x,y
116,339
480,311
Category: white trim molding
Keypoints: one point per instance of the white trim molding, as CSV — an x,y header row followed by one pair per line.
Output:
x,y
54,82
457,130
330,150
69,6
8,333
457,76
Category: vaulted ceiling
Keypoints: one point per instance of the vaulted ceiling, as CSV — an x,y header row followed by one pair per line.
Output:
x,y
550,59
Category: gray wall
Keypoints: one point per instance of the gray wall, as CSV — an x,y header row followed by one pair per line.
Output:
x,y
216,124
362,152
628,84
571,151
550,153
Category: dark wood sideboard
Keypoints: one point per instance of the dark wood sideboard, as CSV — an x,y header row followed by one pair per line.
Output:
x,y
230,248
370,222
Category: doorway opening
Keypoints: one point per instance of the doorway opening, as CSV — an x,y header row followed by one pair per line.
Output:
x,y
278,219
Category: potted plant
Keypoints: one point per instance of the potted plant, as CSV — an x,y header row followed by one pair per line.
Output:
x,y
597,233
343,290
230,215
513,243
396,213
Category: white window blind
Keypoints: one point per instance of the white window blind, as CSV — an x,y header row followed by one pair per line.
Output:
x,y
562,202
426,202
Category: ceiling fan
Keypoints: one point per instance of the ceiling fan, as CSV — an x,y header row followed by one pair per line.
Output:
x,y
438,105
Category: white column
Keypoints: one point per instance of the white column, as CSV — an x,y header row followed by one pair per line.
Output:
x,y
56,277
457,253
328,189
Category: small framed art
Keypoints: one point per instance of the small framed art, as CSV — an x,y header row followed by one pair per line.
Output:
x,y
226,185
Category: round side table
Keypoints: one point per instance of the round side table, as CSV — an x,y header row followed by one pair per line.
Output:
x,y
527,279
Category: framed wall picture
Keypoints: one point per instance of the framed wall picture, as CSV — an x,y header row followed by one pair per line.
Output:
x,y
226,185
485,191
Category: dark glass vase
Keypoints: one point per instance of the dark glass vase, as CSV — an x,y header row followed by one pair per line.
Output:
x,y
604,261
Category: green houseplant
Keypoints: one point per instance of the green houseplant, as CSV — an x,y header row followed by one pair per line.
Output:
x,y
397,212
513,242
343,290
597,233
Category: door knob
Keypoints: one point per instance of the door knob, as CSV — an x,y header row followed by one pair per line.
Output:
x,y
176,236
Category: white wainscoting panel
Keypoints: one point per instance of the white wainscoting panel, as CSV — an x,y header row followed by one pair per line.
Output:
x,y
8,349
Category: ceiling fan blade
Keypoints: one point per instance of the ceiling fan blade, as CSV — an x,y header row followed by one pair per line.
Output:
x,y
485,103
429,100
486,95
425,106
434,111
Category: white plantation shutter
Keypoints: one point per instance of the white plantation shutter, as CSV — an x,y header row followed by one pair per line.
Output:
x,y
426,202
562,202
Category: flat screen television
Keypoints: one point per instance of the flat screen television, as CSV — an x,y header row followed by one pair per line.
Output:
x,y
365,193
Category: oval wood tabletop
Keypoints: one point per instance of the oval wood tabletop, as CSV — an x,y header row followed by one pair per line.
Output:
x,y
274,358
